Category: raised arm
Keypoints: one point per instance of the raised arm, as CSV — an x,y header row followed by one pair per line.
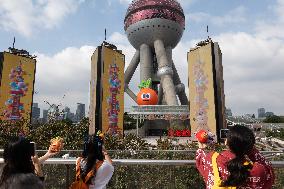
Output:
x,y
200,159
47,155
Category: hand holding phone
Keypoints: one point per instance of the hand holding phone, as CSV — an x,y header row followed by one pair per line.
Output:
x,y
32,148
224,133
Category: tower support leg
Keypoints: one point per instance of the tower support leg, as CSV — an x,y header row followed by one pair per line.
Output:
x,y
146,62
165,72
179,86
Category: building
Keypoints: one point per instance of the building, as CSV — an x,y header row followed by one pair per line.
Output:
x,y
261,112
17,74
35,111
228,112
80,111
206,88
44,116
107,90
67,114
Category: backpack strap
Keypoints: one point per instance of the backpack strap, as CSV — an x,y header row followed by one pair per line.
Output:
x,y
217,178
78,169
92,173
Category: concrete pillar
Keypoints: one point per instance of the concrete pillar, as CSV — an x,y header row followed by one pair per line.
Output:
x,y
132,67
130,93
179,86
160,94
146,62
165,72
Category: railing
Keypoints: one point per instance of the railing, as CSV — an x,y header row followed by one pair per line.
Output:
x,y
135,173
145,169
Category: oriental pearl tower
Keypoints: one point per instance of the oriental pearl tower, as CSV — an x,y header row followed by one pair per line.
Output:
x,y
154,28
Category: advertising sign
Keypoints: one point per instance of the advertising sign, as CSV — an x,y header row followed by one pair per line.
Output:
x,y
17,85
112,91
202,89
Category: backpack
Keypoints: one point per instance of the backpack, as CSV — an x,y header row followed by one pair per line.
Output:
x,y
217,179
79,183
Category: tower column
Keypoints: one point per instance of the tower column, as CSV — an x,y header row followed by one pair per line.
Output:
x,y
165,72
146,62
132,67
179,86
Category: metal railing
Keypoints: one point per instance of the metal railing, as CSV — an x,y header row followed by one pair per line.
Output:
x,y
72,161
136,173
60,172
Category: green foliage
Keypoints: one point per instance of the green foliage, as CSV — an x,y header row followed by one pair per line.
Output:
x,y
127,147
73,135
276,133
145,84
273,119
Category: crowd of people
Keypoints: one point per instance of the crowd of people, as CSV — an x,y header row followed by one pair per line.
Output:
x,y
240,166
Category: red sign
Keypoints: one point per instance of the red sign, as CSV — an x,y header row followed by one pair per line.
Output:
x,y
179,133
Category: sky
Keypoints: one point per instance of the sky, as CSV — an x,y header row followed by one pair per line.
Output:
x,y
63,34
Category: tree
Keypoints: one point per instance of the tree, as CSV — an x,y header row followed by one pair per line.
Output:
x,y
273,119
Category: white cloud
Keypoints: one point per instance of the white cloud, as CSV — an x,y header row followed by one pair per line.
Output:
x,y
253,69
28,16
272,28
65,73
253,72
234,16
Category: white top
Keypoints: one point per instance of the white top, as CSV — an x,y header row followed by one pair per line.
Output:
x,y
103,175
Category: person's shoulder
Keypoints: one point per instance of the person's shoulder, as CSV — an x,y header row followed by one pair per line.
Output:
x,y
226,154
258,169
107,165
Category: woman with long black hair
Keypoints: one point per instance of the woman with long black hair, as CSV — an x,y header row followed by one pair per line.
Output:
x,y
20,159
240,166
94,160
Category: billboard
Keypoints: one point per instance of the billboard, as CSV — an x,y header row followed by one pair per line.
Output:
x,y
112,91
107,91
202,89
17,85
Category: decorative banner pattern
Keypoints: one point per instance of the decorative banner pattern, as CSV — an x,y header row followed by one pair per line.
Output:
x,y
18,88
202,89
17,85
114,89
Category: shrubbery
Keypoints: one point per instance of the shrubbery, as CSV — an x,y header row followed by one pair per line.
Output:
x,y
129,147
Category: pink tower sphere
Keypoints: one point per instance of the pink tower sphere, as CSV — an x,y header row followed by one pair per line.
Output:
x,y
148,20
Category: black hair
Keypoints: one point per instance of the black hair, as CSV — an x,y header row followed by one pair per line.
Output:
x,y
17,158
240,141
91,153
23,181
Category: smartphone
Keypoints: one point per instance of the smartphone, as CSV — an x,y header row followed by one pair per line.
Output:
x,y
32,148
224,133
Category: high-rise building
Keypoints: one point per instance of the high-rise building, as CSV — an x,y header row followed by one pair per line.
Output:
x,y
206,88
44,115
228,112
17,74
67,114
80,111
261,112
35,111
107,90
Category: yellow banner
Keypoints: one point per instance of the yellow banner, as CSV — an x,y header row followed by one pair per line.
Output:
x,y
17,85
201,89
113,91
